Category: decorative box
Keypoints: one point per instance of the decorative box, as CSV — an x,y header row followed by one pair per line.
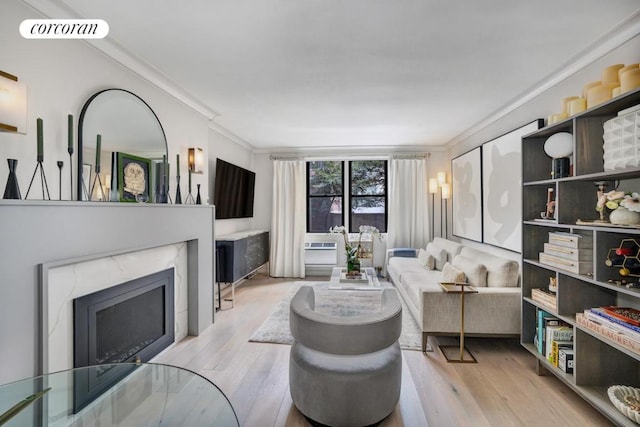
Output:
x,y
622,140
571,240
568,253
577,267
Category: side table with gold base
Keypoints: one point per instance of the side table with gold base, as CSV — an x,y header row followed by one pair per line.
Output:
x,y
449,351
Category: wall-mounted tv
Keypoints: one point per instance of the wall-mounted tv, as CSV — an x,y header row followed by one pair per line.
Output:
x,y
233,191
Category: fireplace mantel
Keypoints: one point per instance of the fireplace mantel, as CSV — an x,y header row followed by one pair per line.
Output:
x,y
37,233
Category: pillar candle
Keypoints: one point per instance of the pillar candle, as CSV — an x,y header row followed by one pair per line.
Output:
x,y
70,132
40,143
98,143
177,164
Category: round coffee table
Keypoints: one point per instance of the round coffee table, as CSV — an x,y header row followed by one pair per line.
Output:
x,y
146,394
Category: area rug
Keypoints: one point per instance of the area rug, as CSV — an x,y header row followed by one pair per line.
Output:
x,y
275,328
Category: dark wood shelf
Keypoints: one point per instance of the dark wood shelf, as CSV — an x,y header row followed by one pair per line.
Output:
x,y
599,361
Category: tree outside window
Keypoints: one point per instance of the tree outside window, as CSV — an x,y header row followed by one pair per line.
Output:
x,y
367,195
325,186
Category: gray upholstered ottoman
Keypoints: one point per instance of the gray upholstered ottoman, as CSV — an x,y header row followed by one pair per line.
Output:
x,y
345,371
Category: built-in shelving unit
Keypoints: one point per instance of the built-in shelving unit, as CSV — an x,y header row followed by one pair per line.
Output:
x,y
599,361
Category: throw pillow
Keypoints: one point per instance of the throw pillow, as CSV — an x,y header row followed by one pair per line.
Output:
x,y
476,273
426,260
439,255
451,274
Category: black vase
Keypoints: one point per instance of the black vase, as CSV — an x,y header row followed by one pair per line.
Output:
x,y
12,190
178,193
198,199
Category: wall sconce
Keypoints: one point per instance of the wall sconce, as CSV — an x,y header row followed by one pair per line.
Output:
x,y
13,104
196,160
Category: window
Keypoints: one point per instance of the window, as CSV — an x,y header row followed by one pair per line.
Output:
x,y
325,187
366,189
368,194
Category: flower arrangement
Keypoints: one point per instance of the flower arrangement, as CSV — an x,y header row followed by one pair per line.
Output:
x,y
614,199
352,252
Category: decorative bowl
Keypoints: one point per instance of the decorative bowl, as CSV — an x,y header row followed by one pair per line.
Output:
x,y
626,399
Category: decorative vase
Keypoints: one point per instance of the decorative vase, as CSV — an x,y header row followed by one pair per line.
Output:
x,y
178,193
12,191
198,199
623,216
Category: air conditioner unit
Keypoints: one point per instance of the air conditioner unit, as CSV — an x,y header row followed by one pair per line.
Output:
x,y
320,257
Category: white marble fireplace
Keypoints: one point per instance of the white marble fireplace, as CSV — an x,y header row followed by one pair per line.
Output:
x,y
66,280
72,240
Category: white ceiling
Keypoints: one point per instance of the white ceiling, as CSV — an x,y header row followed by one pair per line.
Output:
x,y
335,73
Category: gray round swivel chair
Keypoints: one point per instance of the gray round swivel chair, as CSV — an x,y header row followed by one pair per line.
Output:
x,y
345,371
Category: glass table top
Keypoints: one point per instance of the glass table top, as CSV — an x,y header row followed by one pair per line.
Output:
x,y
138,395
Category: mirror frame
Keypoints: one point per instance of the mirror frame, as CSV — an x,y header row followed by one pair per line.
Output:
x,y
80,136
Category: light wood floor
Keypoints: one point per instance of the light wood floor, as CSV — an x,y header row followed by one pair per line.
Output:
x,y
502,389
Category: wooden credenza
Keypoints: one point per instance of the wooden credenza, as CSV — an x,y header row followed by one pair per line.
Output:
x,y
238,255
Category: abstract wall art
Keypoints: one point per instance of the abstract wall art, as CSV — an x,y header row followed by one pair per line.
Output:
x,y
502,188
466,174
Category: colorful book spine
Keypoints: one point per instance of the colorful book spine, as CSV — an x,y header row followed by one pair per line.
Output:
x,y
614,336
556,333
544,318
600,312
615,326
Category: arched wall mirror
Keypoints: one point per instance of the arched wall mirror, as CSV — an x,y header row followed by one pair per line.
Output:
x,y
131,164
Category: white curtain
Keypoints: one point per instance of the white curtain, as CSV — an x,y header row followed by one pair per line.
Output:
x,y
288,224
408,224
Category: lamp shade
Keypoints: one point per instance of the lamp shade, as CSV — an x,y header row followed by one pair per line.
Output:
x,y
446,191
442,178
13,104
559,145
196,160
433,185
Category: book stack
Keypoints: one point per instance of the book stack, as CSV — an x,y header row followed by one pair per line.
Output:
x,y
544,297
552,337
619,324
568,251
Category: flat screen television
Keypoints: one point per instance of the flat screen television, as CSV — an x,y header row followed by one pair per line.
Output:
x,y
233,191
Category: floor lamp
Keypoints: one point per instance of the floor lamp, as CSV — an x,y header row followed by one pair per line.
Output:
x,y
446,195
442,180
433,189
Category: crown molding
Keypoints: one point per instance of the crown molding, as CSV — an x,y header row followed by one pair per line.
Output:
x,y
612,39
353,150
230,136
115,52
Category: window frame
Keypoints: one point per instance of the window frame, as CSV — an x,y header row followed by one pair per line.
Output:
x,y
346,171
355,196
312,196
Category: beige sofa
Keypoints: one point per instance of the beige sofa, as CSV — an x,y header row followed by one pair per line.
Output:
x,y
493,311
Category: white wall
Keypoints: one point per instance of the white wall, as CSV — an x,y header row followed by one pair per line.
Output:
x,y
60,76
541,107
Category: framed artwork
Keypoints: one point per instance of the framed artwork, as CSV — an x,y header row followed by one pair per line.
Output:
x,y
466,177
502,188
134,178
86,181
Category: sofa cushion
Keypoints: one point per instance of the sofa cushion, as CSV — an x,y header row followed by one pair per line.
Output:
x,y
439,255
501,272
426,260
451,248
475,272
452,274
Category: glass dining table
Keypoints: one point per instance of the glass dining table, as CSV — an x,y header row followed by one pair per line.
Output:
x,y
145,394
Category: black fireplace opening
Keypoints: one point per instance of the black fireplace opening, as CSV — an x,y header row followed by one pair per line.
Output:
x,y
130,322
